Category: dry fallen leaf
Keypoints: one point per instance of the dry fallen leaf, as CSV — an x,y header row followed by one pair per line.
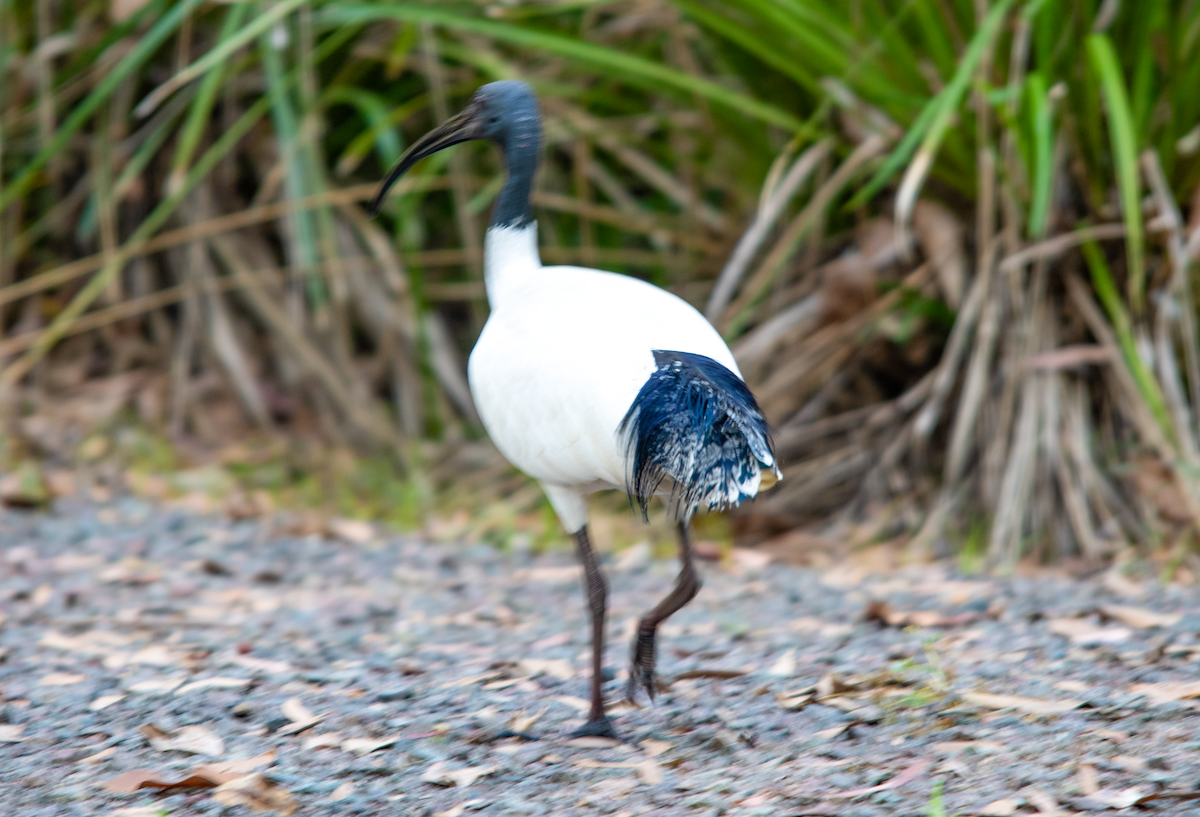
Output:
x,y
1122,585
794,700
196,739
11,732
216,682
882,613
593,742
237,768
654,748
1130,763
1044,803
522,723
129,782
256,792
573,701
439,775
999,808
720,674
137,811
299,715
833,732
1072,686
1120,798
364,746
60,679
1083,632
907,776
751,559
831,684
785,665
1168,691
104,701
205,776
983,747
1087,778
650,772
559,668
101,755
294,710
352,530
327,740
342,792
1139,617
1033,706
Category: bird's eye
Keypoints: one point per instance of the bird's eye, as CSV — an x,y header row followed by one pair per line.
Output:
x,y
493,120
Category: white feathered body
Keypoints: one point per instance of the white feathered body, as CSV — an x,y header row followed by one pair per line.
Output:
x,y
561,359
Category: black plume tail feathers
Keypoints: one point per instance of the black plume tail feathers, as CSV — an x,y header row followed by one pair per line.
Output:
x,y
696,422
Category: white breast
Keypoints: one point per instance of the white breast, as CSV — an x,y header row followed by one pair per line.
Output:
x,y
563,355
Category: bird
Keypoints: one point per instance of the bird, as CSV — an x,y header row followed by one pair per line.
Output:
x,y
589,380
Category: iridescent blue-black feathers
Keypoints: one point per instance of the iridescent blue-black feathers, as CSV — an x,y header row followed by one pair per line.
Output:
x,y
696,422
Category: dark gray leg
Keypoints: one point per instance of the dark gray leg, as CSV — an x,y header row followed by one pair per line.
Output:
x,y
597,596
641,670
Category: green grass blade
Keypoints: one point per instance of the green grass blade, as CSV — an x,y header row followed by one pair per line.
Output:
x,y
145,47
287,130
202,105
749,41
634,69
1124,147
218,55
897,158
931,125
1041,126
158,216
933,29
376,112
1107,291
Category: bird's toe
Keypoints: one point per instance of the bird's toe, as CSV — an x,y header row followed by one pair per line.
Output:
x,y
596,728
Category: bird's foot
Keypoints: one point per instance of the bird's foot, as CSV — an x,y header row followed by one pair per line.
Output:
x,y
596,728
641,666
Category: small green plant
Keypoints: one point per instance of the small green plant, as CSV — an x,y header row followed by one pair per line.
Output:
x,y
928,680
936,807
972,553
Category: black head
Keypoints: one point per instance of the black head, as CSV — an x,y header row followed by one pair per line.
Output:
x,y
504,112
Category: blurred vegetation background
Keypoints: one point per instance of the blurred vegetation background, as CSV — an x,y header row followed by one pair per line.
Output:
x,y
952,243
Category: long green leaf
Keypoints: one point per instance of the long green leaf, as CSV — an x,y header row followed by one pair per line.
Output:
x,y
202,105
219,54
158,216
1107,292
1041,126
1124,148
146,46
634,69
375,112
937,114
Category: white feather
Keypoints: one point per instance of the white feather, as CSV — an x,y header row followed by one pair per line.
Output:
x,y
561,359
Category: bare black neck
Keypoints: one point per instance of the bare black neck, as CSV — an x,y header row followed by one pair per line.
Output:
x,y
521,143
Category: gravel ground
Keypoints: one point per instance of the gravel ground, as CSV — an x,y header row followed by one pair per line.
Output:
x,y
131,634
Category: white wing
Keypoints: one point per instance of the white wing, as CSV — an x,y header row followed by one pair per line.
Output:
x,y
561,358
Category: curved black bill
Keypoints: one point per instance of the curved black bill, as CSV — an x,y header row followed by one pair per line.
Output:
x,y
462,127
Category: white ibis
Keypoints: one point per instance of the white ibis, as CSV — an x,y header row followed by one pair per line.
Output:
x,y
588,380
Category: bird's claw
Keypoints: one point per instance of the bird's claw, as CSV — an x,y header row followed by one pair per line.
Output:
x,y
596,728
641,666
